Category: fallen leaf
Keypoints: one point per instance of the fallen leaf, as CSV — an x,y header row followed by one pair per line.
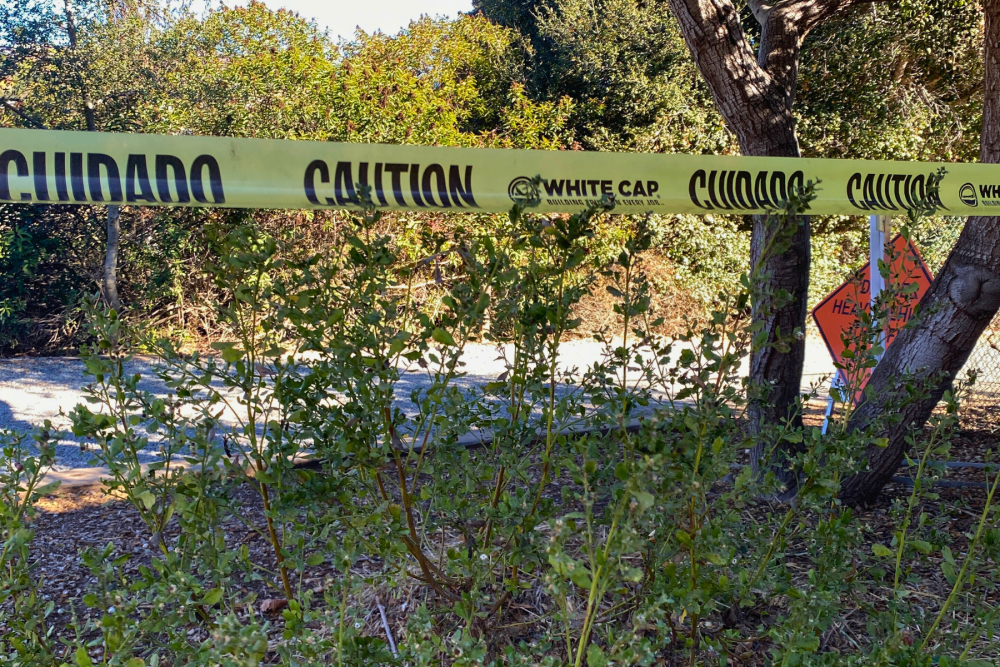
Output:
x,y
273,605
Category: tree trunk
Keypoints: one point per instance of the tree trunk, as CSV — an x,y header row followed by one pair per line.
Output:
x,y
111,260
755,94
110,282
959,305
776,376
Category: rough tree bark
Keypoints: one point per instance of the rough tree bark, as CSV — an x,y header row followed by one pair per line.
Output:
x,y
755,94
111,260
960,303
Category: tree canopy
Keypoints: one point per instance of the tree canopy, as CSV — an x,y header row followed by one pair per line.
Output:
x,y
896,81
893,82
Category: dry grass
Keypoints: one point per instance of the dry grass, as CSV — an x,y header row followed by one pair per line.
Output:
x,y
670,301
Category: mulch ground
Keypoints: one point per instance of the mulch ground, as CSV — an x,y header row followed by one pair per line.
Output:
x,y
87,517
75,519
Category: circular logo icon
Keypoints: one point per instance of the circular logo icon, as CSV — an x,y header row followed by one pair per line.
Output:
x,y
521,189
967,193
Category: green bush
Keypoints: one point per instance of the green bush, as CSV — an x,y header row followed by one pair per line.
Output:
x,y
614,75
614,500
40,253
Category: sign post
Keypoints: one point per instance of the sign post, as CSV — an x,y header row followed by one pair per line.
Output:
x,y
879,228
837,313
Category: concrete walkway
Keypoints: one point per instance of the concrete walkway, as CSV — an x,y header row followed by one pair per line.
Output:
x,y
35,389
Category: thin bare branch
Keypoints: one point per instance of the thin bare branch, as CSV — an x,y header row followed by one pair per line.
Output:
x,y
9,106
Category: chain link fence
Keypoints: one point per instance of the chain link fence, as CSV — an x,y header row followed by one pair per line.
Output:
x,y
983,399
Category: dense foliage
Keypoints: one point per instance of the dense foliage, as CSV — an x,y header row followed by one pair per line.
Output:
x,y
900,81
241,72
565,532
884,81
553,515
897,81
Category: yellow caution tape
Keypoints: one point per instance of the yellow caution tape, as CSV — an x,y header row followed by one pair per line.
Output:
x,y
44,166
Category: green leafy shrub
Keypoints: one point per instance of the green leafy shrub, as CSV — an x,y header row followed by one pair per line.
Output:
x,y
28,637
615,500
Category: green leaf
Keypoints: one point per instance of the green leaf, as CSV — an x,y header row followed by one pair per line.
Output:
x,y
315,559
921,546
212,596
645,499
230,353
595,656
716,559
948,569
558,563
82,659
147,499
443,337
881,550
807,644
580,576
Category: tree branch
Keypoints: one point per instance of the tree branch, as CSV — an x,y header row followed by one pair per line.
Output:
x,y
719,47
742,81
784,27
13,109
760,9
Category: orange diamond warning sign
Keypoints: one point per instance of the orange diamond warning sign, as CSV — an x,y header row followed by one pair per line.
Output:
x,y
838,313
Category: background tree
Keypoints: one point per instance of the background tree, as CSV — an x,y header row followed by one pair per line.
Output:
x,y
957,308
75,67
883,82
252,72
898,81
876,82
245,71
625,65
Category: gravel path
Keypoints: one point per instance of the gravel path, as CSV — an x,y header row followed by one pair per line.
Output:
x,y
35,389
